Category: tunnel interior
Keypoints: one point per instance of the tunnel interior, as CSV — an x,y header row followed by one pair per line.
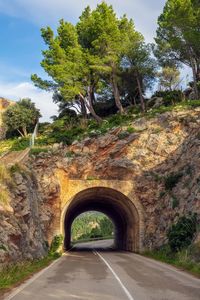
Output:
x,y
112,203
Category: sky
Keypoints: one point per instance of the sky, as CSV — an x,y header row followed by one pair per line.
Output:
x,y
21,43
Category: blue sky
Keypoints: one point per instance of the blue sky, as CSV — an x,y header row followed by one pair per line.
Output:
x,y
21,43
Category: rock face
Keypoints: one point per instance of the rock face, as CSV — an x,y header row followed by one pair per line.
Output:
x,y
162,149
161,158
21,233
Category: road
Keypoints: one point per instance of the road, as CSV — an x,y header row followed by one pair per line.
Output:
x,y
108,275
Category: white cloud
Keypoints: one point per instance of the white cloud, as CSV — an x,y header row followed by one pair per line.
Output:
x,y
48,12
42,99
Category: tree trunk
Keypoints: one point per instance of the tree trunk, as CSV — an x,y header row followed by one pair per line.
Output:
x,y
140,92
83,108
92,95
195,78
20,132
90,106
24,130
116,94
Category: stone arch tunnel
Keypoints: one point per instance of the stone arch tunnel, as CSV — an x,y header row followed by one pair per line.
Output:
x,y
116,205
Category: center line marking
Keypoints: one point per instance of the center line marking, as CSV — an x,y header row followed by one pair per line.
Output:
x,y
116,276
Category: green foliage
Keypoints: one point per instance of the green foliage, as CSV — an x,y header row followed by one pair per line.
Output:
x,y
130,130
15,168
91,178
175,202
21,117
70,154
5,180
178,36
169,78
56,245
37,151
172,180
194,252
186,259
3,247
162,194
91,225
124,134
181,234
170,97
4,196
18,272
94,58
14,144
65,137
20,144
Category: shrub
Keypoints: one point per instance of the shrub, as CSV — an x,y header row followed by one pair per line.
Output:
x,y
170,97
69,154
194,252
181,234
15,168
20,144
172,180
130,130
56,244
122,135
175,202
66,136
37,151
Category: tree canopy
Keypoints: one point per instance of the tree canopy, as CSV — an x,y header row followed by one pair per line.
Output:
x,y
178,36
21,117
87,59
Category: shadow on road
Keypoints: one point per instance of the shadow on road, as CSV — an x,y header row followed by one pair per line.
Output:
x,y
99,246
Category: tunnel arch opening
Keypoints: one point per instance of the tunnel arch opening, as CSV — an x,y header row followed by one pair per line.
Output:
x,y
92,226
118,207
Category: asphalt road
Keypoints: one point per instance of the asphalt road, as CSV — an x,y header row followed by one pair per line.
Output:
x,y
87,274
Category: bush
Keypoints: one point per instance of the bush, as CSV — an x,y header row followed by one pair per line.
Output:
x,y
65,136
194,252
37,151
170,97
175,202
55,245
181,234
122,135
172,180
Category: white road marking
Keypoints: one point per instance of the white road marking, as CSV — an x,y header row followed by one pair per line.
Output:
x,y
30,281
36,276
116,276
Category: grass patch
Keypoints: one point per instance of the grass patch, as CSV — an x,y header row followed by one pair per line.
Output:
x,y
15,144
4,174
15,274
5,179
182,259
4,196
180,106
91,178
37,151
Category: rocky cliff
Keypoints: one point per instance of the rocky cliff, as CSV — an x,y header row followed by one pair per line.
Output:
x,y
160,156
21,232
